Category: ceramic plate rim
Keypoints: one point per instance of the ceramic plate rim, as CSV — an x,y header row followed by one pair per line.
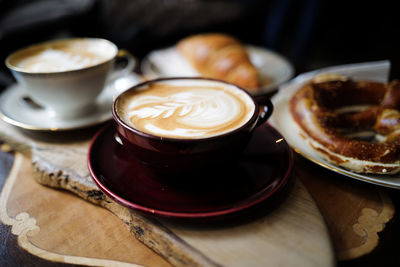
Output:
x,y
145,66
190,215
10,120
281,113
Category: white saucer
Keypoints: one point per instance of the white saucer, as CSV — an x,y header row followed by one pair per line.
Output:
x,y
168,62
26,115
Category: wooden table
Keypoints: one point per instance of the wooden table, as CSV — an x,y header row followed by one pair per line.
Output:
x,y
360,217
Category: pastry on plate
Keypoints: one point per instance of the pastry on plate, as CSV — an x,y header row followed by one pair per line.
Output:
x,y
220,56
352,124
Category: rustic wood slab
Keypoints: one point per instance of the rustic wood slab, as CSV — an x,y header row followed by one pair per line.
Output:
x,y
292,234
355,211
62,227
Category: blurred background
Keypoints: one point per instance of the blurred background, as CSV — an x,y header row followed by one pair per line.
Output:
x,y
309,33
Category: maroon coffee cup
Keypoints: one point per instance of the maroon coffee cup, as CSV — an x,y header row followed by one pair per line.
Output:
x,y
174,155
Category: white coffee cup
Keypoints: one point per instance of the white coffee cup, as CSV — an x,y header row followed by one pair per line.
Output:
x,y
66,76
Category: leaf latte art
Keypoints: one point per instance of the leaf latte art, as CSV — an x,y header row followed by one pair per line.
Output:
x,y
186,111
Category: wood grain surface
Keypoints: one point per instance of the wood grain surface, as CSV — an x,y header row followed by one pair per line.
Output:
x,y
355,212
58,226
292,232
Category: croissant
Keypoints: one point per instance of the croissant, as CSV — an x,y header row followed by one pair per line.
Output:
x,y
222,57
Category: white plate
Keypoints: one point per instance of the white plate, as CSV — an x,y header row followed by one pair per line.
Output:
x,y
282,120
23,114
169,62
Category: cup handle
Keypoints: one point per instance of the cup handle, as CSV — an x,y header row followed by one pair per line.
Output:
x,y
266,107
123,55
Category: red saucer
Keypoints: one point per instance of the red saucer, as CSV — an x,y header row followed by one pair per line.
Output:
x,y
260,171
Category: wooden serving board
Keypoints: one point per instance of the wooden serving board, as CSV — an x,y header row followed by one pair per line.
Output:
x,y
291,234
58,226
354,211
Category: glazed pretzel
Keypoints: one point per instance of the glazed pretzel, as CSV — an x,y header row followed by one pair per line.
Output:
x,y
353,124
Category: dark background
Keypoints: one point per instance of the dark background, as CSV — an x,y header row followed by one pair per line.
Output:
x,y
310,33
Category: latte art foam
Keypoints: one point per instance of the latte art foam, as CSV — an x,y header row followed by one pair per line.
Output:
x,y
59,56
52,60
186,111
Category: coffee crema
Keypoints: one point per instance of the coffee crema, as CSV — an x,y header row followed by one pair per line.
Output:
x,y
189,111
59,56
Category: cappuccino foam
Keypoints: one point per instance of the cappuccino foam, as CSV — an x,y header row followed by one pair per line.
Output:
x,y
198,110
61,56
